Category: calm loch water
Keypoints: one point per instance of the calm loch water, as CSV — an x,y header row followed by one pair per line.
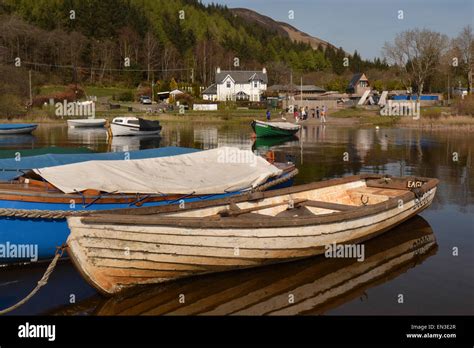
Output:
x,y
428,260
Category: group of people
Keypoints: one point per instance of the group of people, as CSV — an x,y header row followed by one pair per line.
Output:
x,y
303,113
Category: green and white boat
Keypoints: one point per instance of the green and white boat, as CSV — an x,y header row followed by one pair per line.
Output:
x,y
274,129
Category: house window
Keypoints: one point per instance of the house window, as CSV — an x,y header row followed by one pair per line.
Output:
x,y
228,84
255,84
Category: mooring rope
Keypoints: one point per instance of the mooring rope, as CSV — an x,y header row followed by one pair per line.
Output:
x,y
42,282
41,214
277,181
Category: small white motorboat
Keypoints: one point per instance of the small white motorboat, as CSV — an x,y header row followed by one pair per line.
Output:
x,y
134,126
86,122
17,128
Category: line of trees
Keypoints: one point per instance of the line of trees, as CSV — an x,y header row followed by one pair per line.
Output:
x,y
182,38
422,55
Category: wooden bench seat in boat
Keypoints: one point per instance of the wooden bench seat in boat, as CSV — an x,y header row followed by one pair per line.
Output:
x,y
373,194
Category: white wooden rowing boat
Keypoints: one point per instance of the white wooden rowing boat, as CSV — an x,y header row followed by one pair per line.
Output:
x,y
124,126
123,248
317,284
86,123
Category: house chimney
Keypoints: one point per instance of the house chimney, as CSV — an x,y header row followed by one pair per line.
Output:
x,y
264,70
218,70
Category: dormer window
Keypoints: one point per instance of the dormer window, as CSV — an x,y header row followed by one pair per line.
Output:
x,y
228,84
255,84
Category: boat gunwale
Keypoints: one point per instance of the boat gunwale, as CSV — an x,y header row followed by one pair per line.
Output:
x,y
129,216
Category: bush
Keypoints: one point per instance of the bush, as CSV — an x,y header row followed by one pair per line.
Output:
x,y
11,106
71,93
125,96
184,99
465,106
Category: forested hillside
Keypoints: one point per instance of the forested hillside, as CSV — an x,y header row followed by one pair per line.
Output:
x,y
181,38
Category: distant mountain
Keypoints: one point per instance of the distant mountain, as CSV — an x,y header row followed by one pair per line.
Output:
x,y
281,28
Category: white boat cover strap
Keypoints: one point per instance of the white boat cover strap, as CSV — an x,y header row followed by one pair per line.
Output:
x,y
282,125
205,172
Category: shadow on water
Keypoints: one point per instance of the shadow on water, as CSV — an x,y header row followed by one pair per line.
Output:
x,y
316,285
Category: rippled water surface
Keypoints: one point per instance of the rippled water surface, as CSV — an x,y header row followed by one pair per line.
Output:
x,y
434,278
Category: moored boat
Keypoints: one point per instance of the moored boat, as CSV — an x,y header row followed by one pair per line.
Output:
x,y
274,129
125,248
34,207
122,126
17,128
86,123
318,284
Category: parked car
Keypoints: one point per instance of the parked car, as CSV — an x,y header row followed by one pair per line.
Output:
x,y
144,99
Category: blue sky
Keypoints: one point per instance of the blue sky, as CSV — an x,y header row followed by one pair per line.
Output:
x,y
363,24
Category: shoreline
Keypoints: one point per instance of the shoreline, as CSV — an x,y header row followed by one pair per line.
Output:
x,y
443,123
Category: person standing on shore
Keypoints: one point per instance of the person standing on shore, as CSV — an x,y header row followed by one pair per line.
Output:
x,y
317,112
323,114
268,115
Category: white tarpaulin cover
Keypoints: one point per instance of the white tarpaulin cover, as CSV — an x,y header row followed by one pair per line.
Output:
x,y
204,172
282,125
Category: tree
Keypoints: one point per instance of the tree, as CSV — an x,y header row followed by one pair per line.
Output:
x,y
150,45
173,84
464,46
416,53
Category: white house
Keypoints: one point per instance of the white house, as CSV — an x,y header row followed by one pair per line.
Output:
x,y
237,85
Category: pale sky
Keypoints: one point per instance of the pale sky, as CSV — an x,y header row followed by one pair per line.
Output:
x,y
363,24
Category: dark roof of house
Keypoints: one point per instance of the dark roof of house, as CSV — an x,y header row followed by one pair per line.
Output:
x,y
354,80
212,89
296,88
240,76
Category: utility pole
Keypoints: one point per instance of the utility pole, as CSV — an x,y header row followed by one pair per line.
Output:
x,y
31,94
152,91
301,90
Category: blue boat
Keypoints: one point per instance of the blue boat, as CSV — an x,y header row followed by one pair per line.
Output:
x,y
33,212
17,128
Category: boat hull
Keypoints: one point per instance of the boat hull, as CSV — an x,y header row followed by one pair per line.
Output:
x,y
24,129
266,130
86,123
113,254
319,284
125,130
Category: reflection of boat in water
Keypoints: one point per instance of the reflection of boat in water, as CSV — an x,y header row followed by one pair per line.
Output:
x,y
21,139
317,284
86,136
135,143
267,142
43,151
